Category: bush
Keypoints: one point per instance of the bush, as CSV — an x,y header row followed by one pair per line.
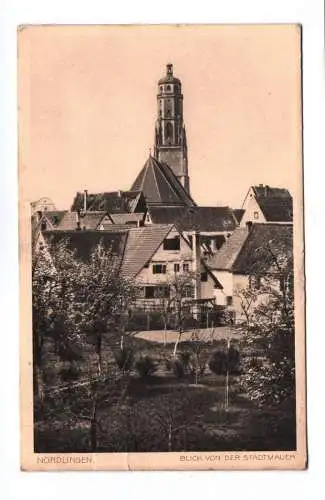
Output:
x,y
221,361
176,366
124,358
145,366
141,320
185,358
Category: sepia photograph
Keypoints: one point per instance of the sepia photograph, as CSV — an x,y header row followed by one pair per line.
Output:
x,y
162,300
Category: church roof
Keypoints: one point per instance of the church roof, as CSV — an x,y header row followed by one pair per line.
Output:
x,y
204,219
160,186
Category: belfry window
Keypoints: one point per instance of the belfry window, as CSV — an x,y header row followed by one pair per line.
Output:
x,y
168,88
169,131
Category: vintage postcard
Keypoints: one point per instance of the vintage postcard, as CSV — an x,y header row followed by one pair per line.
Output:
x,y
161,247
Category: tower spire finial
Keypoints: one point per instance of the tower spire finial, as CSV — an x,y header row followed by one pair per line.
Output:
x,y
169,69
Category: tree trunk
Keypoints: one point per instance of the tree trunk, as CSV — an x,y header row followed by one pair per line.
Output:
x,y
99,353
165,333
93,421
176,343
170,447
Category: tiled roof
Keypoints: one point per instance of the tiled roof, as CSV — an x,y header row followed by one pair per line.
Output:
x,y
160,186
249,251
276,209
225,257
68,221
271,192
264,243
141,244
204,219
238,213
89,220
275,203
84,242
112,202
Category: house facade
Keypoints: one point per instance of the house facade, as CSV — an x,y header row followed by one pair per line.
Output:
x,y
264,203
252,255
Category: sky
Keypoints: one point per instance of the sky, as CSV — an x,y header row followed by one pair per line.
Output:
x,y
87,107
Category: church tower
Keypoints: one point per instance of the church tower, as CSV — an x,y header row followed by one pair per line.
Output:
x,y
170,136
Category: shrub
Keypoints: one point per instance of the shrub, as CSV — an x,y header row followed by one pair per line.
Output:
x,y
145,366
221,361
185,358
124,358
177,367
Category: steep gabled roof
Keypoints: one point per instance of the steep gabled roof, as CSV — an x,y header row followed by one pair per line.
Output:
x,y
275,203
204,219
160,186
251,250
263,191
238,213
265,243
276,209
84,242
112,202
142,243
225,257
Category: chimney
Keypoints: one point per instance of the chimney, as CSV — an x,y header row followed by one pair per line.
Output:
x,y
249,225
78,220
85,200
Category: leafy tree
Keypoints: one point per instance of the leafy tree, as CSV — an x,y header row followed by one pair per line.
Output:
x,y
181,285
105,299
55,318
269,367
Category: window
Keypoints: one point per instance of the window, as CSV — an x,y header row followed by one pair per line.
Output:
x,y
172,243
149,292
161,89
254,282
169,130
43,226
256,215
204,276
176,268
168,88
186,267
155,292
229,300
159,268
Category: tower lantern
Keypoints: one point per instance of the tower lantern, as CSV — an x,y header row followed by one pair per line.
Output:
x,y
170,136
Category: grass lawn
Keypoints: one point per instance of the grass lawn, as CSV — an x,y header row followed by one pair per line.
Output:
x,y
160,412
